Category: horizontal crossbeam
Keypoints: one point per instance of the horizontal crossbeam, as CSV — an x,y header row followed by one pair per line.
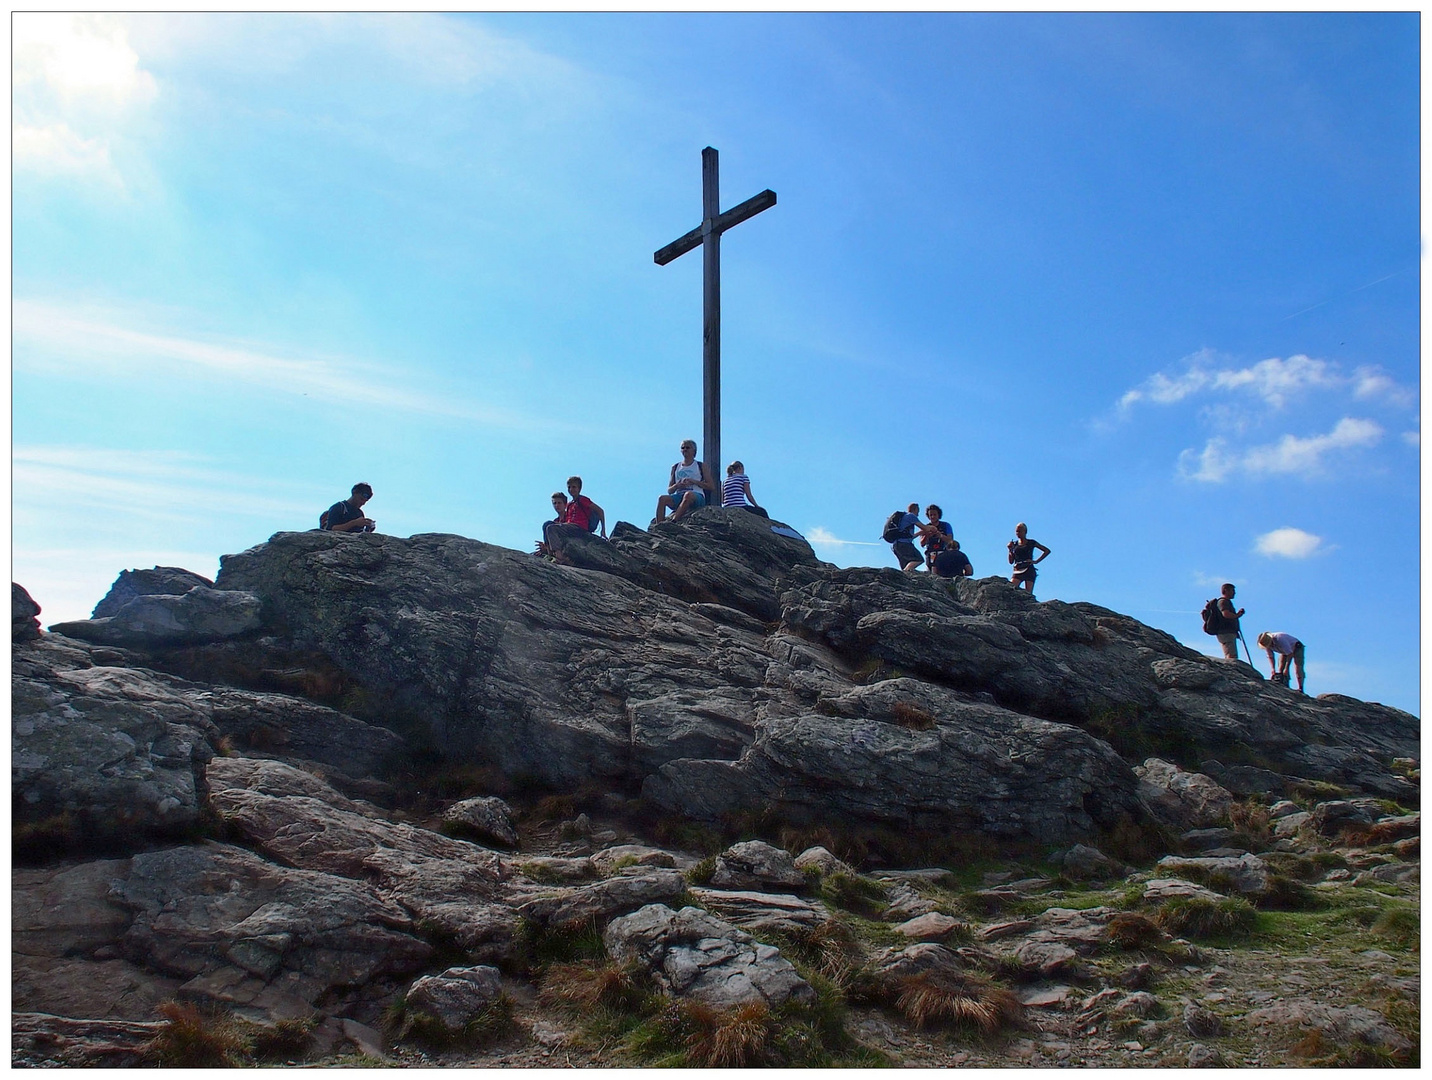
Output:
x,y
732,217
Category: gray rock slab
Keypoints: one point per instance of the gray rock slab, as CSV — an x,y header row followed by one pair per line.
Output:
x,y
693,954
762,911
202,614
630,889
456,997
488,817
755,864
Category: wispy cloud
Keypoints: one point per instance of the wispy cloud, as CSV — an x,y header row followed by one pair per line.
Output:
x,y
1274,382
168,485
820,536
1290,455
53,338
1290,543
1214,581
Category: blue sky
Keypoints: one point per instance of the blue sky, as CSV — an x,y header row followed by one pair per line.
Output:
x,y
1149,283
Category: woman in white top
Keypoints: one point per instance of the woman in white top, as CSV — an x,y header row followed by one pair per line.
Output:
x,y
689,488
736,491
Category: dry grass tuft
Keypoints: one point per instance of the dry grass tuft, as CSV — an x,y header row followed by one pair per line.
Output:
x,y
583,987
961,1000
1130,930
911,716
192,1039
728,1038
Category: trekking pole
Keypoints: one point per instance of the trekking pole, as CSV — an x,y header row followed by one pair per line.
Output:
x,y
1245,650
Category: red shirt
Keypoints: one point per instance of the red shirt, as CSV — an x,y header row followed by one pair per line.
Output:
x,y
579,512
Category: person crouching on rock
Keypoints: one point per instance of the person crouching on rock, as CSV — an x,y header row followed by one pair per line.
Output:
x,y
1290,651
690,488
736,491
347,516
582,511
1021,557
952,562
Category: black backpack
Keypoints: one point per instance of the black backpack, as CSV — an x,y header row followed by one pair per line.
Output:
x,y
1213,618
892,531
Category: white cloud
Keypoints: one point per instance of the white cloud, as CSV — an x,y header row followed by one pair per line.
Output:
x,y
1290,543
1274,381
56,149
77,58
63,339
74,80
1294,455
1412,438
1290,455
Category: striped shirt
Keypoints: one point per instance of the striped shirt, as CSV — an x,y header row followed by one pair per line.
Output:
x,y
733,491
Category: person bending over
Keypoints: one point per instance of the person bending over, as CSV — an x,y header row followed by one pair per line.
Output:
x,y
347,516
1290,652
690,488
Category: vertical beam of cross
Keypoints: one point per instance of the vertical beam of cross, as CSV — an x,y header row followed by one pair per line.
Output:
x,y
708,236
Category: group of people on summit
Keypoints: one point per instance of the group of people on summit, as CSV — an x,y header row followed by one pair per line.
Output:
x,y
689,488
942,555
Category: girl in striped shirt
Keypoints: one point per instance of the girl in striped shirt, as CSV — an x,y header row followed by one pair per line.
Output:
x,y
736,491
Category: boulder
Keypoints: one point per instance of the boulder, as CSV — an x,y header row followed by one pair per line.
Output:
x,y
609,860
693,954
759,912
202,614
1140,1004
925,958
455,998
268,941
486,818
932,926
1336,816
630,889
24,626
1246,875
132,584
756,864
1183,799
1084,863
110,753
1161,890
820,861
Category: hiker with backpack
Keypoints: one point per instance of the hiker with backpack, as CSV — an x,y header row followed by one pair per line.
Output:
x,y
899,533
1220,620
690,488
582,511
736,491
347,516
1290,651
1021,557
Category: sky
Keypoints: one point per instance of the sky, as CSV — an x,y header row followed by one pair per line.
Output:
x,y
1149,283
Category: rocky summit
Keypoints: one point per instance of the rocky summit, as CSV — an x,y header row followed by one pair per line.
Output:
x,y
433,800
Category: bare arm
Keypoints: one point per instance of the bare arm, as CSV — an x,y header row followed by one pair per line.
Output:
x,y
749,497
1042,548
352,526
597,512
671,487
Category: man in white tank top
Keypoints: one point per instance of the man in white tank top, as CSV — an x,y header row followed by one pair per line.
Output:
x,y
690,487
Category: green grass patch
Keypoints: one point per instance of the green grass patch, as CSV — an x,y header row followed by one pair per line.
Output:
x,y
1224,920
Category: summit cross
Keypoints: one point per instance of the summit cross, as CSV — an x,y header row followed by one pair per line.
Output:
x,y
707,236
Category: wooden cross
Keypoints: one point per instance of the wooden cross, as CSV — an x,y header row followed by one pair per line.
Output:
x,y
708,236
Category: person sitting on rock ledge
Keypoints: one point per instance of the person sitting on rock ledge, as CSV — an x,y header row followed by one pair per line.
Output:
x,y
736,491
545,548
935,536
582,511
347,516
690,488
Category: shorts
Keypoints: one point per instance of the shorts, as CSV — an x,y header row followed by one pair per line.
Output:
x,y
906,553
699,502
1230,645
1027,574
